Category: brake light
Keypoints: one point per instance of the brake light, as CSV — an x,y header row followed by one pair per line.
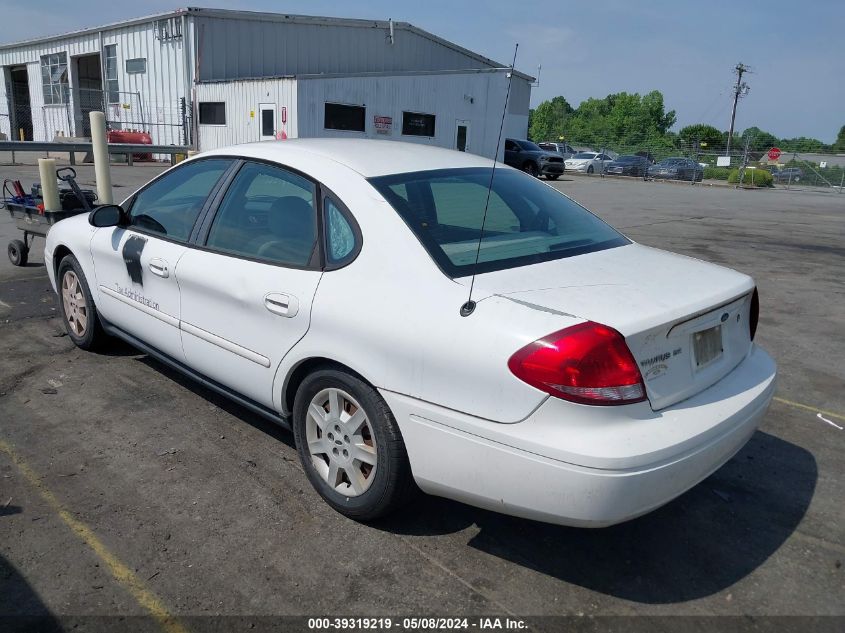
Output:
x,y
754,314
588,363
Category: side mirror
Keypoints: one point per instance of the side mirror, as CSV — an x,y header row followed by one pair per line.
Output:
x,y
107,215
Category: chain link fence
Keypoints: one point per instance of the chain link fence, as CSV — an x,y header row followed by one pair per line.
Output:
x,y
165,123
746,162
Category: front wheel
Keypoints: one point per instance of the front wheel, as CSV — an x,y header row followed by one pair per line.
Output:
x,y
18,253
530,169
552,176
590,169
350,445
77,305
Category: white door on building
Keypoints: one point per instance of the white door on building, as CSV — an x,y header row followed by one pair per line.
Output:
x,y
462,135
267,121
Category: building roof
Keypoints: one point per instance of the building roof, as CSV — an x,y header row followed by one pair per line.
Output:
x,y
273,17
368,157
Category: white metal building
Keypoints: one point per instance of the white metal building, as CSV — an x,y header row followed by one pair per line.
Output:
x,y
212,77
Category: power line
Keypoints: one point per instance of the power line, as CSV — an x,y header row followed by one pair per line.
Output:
x,y
740,90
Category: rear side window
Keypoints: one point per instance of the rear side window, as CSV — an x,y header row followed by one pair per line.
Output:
x,y
527,221
340,236
267,213
170,205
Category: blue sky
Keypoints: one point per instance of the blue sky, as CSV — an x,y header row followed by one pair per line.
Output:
x,y
685,49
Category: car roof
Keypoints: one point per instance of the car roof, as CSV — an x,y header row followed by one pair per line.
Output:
x,y
368,157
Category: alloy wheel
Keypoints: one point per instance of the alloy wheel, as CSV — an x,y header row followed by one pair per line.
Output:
x,y
76,308
341,442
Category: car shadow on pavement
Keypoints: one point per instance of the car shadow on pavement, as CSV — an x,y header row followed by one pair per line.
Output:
x,y
699,544
234,409
21,608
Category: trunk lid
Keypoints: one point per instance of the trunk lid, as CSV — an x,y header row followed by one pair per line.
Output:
x,y
685,321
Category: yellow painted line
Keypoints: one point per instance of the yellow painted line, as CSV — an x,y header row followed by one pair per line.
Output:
x,y
122,574
807,407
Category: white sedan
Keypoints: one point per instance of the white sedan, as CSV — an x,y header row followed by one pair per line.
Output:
x,y
587,162
323,283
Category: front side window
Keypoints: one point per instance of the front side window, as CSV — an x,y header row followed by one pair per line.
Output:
x,y
171,204
268,213
54,80
527,221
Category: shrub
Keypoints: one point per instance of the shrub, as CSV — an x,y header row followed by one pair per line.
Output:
x,y
761,177
717,173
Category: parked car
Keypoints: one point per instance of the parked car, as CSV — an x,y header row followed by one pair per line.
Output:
x,y
646,155
788,174
677,168
532,159
588,162
628,165
323,284
564,149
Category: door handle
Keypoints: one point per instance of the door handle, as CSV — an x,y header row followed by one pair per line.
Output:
x,y
282,304
158,267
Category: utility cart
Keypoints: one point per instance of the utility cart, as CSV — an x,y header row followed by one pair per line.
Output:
x,y
34,221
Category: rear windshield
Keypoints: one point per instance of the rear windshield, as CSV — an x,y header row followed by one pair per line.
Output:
x,y
527,221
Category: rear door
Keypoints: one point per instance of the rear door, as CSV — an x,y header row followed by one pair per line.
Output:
x,y
247,287
135,264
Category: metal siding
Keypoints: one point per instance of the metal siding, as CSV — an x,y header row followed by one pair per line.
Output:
x,y
227,48
160,88
444,95
241,98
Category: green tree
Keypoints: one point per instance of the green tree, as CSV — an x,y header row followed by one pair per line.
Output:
x,y
706,135
803,144
547,121
758,140
839,143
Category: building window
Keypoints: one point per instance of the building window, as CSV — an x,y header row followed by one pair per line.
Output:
x,y
345,117
137,65
54,78
212,113
417,124
112,87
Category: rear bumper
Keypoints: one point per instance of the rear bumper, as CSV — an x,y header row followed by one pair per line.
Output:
x,y
585,466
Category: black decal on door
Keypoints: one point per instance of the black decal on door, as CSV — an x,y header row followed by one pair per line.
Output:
x,y
132,250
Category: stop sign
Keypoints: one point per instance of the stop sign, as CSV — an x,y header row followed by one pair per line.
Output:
x,y
774,153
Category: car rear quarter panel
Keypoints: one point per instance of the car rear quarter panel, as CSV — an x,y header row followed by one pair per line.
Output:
x,y
393,316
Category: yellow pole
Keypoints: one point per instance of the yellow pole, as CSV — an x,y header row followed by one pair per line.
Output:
x,y
49,185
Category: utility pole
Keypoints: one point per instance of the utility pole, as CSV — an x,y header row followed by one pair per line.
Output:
x,y
740,90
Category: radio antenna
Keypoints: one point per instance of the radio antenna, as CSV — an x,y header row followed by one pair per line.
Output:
x,y
469,307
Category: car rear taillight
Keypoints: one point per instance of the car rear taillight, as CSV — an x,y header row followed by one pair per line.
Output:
x,y
589,363
754,314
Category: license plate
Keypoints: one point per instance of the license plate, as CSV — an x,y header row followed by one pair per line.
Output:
x,y
707,345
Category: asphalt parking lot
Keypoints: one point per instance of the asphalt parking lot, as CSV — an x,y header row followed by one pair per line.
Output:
x,y
126,490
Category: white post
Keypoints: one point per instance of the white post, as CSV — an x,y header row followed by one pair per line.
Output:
x,y
101,158
49,184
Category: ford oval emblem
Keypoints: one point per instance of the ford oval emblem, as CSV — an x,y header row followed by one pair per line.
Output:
x,y
725,317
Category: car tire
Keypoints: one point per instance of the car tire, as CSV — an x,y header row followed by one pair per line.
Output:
x,y
590,169
76,305
530,169
325,414
18,253
552,176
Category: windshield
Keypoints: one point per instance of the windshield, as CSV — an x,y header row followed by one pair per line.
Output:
x,y
585,155
528,145
527,221
628,159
